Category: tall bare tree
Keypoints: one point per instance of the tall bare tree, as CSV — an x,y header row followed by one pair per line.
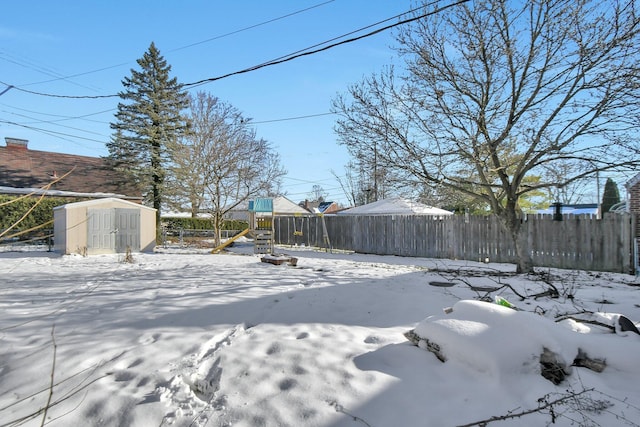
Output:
x,y
221,163
494,91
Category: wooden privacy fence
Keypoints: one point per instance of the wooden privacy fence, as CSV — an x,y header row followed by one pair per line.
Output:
x,y
577,242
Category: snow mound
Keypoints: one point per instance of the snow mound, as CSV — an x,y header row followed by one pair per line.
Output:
x,y
499,342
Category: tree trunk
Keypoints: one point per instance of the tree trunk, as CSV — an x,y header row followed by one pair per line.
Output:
x,y
512,221
525,263
217,226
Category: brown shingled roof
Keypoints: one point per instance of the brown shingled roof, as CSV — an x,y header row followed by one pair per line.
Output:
x,y
24,168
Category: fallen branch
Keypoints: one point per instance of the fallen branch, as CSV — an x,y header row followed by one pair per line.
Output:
x,y
545,405
42,196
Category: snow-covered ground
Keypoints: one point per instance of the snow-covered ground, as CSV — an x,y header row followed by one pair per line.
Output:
x,y
186,338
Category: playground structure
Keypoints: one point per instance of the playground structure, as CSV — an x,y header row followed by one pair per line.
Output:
x,y
260,227
262,214
261,223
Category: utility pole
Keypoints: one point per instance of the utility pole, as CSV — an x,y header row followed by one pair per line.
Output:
x,y
375,171
598,194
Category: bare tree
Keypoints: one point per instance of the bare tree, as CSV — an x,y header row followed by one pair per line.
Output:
x,y
566,192
495,91
221,163
318,194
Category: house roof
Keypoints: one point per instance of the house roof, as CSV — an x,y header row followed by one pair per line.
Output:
x,y
395,206
633,181
326,207
281,206
573,209
284,206
22,168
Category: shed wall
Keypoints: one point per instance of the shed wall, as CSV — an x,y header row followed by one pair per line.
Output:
x,y
59,233
71,222
147,230
70,229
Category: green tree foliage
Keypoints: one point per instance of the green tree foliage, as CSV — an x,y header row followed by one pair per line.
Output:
x,y
12,208
611,195
495,91
190,223
148,121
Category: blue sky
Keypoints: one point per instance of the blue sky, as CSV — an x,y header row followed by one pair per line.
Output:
x,y
87,48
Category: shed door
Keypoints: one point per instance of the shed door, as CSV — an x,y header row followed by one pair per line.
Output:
x,y
101,230
128,229
113,230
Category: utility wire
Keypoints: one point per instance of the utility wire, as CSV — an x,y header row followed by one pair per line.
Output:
x,y
50,132
330,46
53,122
62,117
280,60
180,48
52,95
345,35
252,26
25,63
291,118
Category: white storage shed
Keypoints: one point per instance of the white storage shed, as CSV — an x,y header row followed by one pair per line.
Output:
x,y
104,226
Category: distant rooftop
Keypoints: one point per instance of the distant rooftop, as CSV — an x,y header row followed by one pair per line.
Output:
x,y
22,168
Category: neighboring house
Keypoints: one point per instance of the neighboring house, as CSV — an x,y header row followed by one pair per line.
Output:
x,y
633,200
573,209
24,171
395,206
281,206
633,194
320,207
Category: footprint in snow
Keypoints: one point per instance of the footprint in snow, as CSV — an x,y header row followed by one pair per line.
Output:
x,y
147,339
372,339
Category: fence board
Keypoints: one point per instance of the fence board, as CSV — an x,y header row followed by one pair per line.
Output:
x,y
578,242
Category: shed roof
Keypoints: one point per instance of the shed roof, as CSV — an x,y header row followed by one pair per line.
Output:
x,y
98,202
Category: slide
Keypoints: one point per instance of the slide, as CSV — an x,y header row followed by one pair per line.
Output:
x,y
229,241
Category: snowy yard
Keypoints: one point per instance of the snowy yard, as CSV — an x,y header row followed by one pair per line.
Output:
x,y
193,339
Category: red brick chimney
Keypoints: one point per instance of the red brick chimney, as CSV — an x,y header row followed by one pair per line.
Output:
x,y
16,143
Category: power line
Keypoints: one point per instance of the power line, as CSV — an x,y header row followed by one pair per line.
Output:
x,y
176,49
291,118
283,59
252,26
53,122
61,117
51,95
50,132
306,52
41,69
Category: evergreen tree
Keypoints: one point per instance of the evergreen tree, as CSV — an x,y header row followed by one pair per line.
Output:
x,y
611,196
149,121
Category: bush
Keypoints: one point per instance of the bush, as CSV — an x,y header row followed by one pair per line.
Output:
x,y
188,223
12,208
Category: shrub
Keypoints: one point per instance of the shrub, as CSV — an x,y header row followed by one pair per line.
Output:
x,y
12,208
189,223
